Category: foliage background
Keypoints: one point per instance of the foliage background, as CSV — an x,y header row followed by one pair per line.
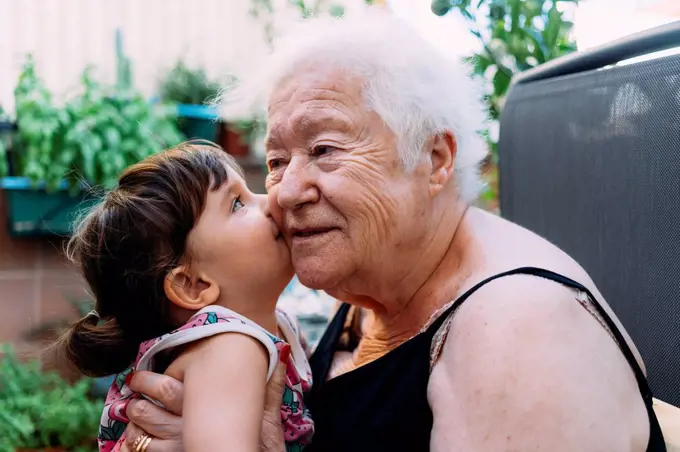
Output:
x,y
515,35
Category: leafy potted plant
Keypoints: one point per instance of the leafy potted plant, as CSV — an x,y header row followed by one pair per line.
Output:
x,y
62,150
190,89
6,129
40,411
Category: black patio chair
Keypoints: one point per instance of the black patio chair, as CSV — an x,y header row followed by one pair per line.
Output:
x,y
590,159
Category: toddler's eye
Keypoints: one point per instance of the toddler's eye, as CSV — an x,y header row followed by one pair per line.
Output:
x,y
238,204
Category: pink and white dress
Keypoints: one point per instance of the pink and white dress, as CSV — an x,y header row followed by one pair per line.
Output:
x,y
297,423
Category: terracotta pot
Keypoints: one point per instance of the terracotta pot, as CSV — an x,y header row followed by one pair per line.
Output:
x,y
232,142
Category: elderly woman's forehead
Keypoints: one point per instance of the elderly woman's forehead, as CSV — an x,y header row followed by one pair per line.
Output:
x,y
307,104
309,83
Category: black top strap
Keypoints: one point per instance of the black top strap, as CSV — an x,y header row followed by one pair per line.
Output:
x,y
322,358
552,276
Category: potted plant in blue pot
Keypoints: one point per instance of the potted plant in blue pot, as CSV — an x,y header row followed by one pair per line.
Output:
x,y
61,152
190,89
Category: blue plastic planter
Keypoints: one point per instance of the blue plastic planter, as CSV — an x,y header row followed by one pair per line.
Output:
x,y
198,122
32,211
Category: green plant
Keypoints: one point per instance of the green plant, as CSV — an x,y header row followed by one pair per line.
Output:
x,y
92,138
264,10
516,35
4,167
40,409
183,85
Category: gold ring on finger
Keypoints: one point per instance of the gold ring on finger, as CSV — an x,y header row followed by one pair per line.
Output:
x,y
141,443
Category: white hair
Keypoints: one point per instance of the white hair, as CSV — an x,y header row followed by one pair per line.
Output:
x,y
416,90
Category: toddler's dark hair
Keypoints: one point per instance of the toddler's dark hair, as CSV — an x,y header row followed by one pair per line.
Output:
x,y
127,245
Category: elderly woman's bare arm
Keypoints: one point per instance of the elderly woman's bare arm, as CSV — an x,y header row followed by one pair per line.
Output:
x,y
525,367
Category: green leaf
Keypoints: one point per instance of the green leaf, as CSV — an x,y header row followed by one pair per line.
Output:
x,y
112,139
534,7
552,28
501,81
566,47
88,166
515,11
496,12
541,51
481,63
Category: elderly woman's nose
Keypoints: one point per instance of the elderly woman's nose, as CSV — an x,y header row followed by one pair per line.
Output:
x,y
297,187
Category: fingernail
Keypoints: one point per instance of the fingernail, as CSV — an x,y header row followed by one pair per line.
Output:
x,y
284,354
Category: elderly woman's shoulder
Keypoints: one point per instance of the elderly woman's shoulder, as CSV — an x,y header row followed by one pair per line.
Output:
x,y
525,352
521,297
527,307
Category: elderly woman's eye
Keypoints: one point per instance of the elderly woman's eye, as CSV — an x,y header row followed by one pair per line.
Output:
x,y
322,150
273,164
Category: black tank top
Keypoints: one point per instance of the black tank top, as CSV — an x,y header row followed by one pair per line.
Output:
x,y
382,406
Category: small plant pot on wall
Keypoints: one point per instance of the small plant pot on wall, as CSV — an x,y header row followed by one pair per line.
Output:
x,y
33,211
198,122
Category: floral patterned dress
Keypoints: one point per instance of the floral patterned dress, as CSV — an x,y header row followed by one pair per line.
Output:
x,y
297,422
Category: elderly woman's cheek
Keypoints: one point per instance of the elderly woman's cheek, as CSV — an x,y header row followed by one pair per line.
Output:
x,y
271,181
376,208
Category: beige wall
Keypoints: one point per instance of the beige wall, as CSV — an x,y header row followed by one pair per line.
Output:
x,y
36,283
66,35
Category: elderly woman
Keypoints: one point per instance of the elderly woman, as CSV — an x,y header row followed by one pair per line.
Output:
x,y
458,330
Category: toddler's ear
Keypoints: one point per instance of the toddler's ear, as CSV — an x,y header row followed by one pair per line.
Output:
x,y
188,291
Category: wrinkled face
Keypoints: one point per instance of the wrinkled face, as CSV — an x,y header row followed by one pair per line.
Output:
x,y
335,184
237,243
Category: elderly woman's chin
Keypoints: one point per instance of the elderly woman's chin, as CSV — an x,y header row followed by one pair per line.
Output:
x,y
320,271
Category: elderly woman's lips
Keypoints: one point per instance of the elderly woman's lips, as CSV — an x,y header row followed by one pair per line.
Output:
x,y
307,233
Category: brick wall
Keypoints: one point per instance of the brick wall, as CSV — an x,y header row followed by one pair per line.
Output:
x,y
37,282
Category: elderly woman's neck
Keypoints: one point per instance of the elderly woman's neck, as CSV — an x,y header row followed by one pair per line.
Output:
x,y
443,259
402,307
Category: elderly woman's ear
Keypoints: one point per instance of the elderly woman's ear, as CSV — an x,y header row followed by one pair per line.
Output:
x,y
442,155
